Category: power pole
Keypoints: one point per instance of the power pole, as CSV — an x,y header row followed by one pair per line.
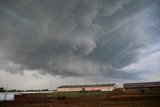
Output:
x,y
50,89
5,95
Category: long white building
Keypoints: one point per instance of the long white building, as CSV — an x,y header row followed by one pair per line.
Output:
x,y
93,87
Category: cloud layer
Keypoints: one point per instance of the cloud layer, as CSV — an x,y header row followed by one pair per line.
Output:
x,y
75,37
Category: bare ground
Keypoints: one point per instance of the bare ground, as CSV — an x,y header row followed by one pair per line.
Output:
x,y
87,101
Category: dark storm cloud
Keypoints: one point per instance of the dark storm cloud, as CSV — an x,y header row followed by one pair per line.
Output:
x,y
71,37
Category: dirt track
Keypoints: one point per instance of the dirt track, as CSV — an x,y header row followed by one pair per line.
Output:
x,y
112,101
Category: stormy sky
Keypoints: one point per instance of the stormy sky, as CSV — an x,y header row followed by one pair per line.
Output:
x,y
78,42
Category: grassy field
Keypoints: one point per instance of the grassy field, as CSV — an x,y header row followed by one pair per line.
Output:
x,y
72,94
79,94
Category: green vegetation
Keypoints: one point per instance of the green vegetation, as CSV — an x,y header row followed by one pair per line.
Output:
x,y
2,89
78,94
152,91
36,90
72,94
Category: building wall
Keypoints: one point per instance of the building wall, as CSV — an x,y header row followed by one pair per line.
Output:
x,y
111,88
67,89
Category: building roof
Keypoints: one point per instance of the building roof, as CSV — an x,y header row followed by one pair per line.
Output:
x,y
142,85
91,85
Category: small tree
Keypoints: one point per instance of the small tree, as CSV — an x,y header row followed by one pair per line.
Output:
x,y
2,89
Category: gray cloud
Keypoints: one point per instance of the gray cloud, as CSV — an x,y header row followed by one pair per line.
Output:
x,y
71,37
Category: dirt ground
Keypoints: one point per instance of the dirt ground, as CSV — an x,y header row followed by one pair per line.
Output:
x,y
84,101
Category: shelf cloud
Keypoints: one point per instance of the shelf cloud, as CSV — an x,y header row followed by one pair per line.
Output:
x,y
77,38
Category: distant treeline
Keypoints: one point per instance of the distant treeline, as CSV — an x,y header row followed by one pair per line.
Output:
x,y
2,89
15,90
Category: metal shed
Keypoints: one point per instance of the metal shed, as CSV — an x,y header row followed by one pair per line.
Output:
x,y
142,85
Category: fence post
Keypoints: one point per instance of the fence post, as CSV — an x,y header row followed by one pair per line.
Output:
x,y
132,103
